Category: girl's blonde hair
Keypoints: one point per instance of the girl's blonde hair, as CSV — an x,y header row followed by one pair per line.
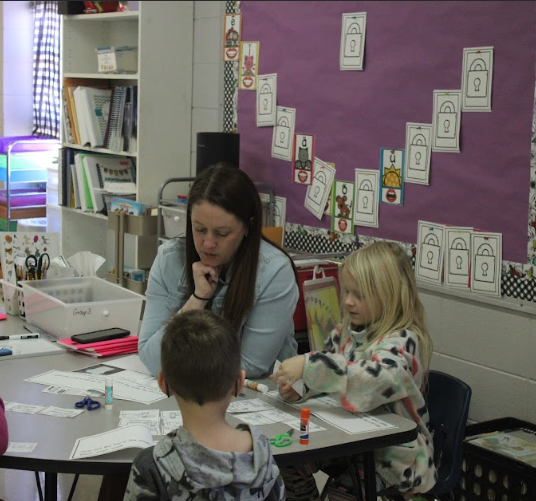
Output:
x,y
384,276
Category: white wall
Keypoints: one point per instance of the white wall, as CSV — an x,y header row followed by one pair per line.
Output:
x,y
16,52
207,100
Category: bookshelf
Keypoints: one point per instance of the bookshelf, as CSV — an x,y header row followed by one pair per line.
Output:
x,y
163,32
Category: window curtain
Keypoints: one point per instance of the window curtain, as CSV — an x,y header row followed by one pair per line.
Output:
x,y
46,70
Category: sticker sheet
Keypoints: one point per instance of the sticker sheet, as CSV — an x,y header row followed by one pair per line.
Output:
x,y
352,53
283,135
457,257
279,210
429,258
367,197
22,244
249,65
318,193
418,153
447,120
392,176
232,36
477,78
303,154
342,213
486,259
266,99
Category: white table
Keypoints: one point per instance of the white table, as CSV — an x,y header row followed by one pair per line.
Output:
x,y
56,436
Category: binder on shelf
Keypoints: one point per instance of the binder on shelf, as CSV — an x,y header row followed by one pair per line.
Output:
x,y
114,130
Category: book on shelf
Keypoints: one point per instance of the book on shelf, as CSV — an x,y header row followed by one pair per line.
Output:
x,y
114,131
86,202
93,109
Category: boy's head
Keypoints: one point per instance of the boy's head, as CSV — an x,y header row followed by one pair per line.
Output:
x,y
200,356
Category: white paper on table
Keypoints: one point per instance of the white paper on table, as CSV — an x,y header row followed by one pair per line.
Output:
x,y
24,408
130,362
250,405
146,415
256,418
133,436
329,410
297,386
171,419
60,412
20,447
77,380
59,390
153,426
131,390
296,423
169,427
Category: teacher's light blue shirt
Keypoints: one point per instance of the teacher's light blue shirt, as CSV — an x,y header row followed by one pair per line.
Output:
x,y
268,330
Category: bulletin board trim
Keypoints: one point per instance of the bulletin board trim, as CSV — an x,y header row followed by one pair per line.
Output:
x,y
518,280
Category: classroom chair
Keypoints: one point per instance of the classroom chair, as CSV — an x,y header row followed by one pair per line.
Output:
x,y
448,400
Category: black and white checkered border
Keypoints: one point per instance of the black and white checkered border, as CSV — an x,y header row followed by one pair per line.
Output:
x,y
230,84
516,280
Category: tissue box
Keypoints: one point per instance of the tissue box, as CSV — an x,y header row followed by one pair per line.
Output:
x,y
66,306
118,59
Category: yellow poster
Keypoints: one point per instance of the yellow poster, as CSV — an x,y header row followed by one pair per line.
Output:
x,y
322,310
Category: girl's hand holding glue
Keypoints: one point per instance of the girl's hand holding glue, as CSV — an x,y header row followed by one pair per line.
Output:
x,y
289,371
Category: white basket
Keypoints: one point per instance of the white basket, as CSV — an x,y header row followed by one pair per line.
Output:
x,y
174,221
66,306
11,297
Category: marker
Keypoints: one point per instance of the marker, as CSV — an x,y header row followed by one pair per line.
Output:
x,y
255,386
19,336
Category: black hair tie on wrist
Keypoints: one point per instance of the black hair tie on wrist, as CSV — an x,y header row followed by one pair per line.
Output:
x,y
201,298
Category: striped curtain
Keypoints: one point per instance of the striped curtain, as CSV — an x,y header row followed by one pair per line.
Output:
x,y
46,70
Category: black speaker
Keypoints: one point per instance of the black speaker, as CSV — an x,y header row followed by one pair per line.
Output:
x,y
214,147
71,7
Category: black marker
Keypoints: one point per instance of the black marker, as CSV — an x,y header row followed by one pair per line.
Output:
x,y
19,336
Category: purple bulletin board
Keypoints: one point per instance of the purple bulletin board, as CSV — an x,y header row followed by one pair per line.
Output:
x,y
412,49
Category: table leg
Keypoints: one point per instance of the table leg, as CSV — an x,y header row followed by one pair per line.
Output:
x,y
51,486
370,476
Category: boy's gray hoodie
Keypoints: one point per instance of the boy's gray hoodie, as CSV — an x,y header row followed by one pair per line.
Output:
x,y
179,468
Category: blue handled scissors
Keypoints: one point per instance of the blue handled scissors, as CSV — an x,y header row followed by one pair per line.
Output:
x,y
91,404
282,440
37,268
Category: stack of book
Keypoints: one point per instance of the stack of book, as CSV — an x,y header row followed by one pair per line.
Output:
x,y
120,346
96,115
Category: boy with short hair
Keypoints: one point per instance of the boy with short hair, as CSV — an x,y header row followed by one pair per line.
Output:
x,y
206,458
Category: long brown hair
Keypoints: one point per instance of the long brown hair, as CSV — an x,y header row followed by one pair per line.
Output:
x,y
231,189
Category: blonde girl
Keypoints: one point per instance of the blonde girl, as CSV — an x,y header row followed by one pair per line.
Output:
x,y
378,356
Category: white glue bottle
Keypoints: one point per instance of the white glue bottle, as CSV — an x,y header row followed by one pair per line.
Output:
x,y
108,394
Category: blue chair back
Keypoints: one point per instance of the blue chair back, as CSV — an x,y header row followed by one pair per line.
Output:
x,y
448,400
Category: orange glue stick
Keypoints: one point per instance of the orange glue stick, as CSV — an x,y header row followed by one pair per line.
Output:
x,y
304,426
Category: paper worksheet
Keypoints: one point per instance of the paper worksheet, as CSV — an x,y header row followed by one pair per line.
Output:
x,y
329,410
133,436
20,447
61,412
23,408
68,379
249,405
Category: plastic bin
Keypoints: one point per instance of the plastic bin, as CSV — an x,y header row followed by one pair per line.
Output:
x,y
489,475
11,297
174,221
66,306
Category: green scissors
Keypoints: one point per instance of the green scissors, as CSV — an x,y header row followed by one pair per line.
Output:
x,y
282,440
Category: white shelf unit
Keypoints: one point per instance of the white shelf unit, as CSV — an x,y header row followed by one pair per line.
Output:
x,y
163,32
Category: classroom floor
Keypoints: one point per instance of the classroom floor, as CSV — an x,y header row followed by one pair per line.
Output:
x,y
21,486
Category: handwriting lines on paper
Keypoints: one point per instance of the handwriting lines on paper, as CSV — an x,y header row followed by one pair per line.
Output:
x,y
304,152
486,259
447,120
266,100
342,213
457,257
392,176
429,259
320,190
329,202
249,65
279,210
477,78
283,133
418,153
232,36
352,51
367,197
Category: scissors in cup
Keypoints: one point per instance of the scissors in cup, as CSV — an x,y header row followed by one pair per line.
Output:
x,y
37,268
283,439
91,404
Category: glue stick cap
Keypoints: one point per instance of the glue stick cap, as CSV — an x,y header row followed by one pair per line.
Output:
x,y
305,413
109,381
